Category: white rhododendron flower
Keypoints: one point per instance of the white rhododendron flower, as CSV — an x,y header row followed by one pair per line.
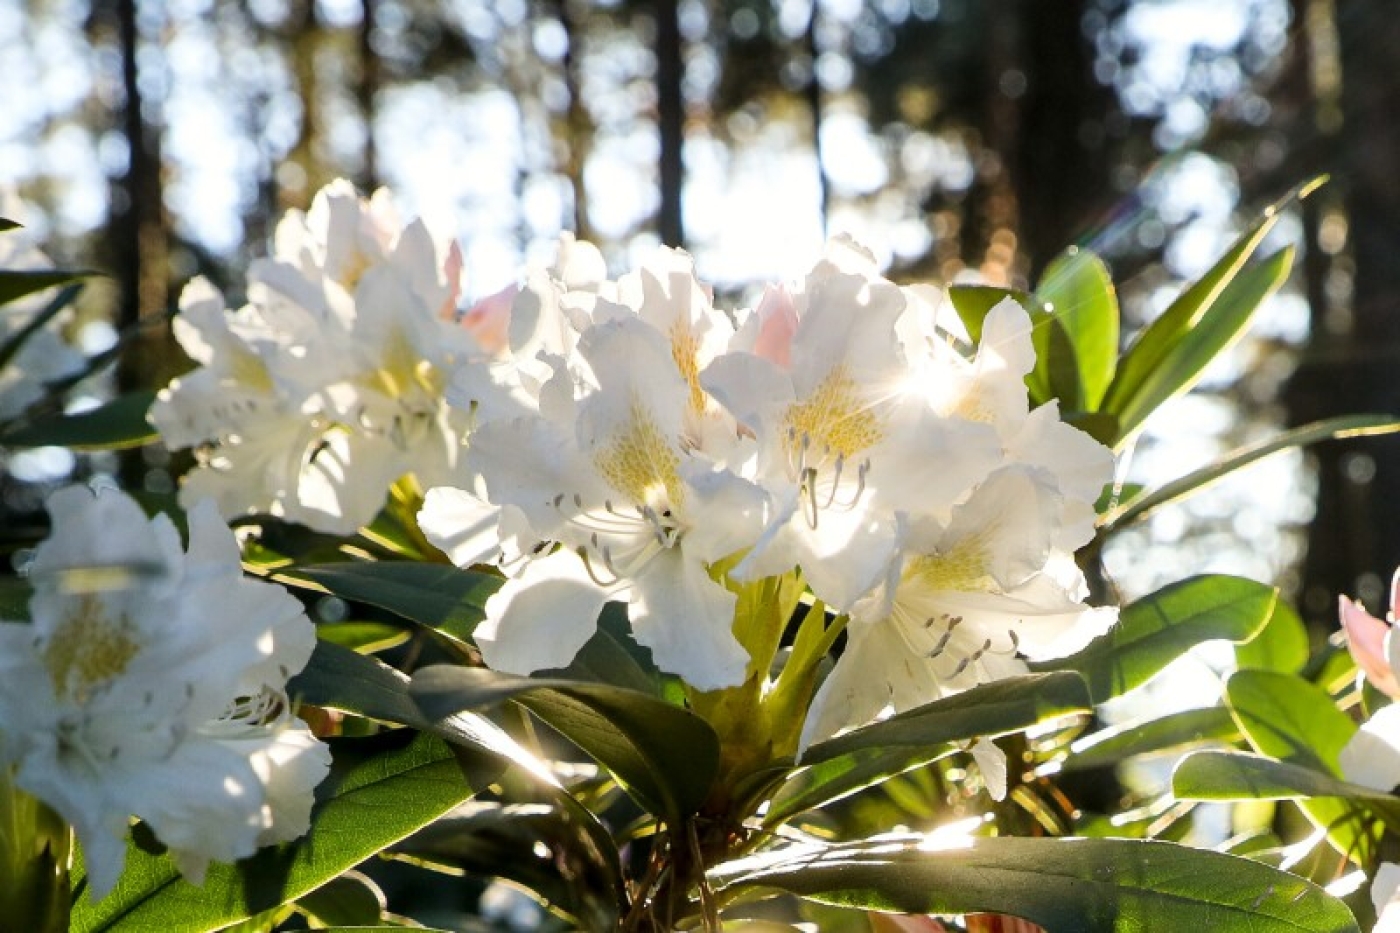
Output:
x,y
328,386
151,683
967,601
619,503
843,448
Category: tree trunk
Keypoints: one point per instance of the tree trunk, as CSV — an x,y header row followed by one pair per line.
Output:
x,y
1354,353
670,119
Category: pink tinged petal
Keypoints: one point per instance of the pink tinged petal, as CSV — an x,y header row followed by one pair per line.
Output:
x,y
1368,640
452,272
777,323
541,619
687,621
1371,757
488,321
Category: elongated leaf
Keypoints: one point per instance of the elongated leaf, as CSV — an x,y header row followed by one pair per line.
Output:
x,y
665,756
865,757
7,224
1183,363
1080,885
1077,290
1346,426
349,900
538,848
441,597
1148,736
369,803
18,283
119,424
987,710
1216,775
12,346
1286,717
1157,629
1158,339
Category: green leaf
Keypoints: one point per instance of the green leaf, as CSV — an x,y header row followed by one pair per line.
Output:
x,y
664,756
1147,358
377,794
1281,646
339,678
438,596
63,299
1083,885
1347,426
538,848
14,598
19,283
867,756
1149,736
1286,717
116,425
362,636
349,900
1078,291
1216,775
1183,362
974,302
1157,629
7,224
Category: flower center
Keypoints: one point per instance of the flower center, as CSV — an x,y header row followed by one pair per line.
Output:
x,y
87,649
962,568
832,420
639,463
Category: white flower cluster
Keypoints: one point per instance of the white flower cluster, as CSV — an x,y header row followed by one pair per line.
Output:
x,y
672,454
629,441
152,682
326,387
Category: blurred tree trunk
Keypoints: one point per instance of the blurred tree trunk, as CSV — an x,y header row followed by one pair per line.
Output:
x,y
670,119
366,88
815,106
1045,171
139,239
1352,359
578,124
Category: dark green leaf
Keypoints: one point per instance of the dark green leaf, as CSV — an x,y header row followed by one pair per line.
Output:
x,y
1138,506
7,224
1206,336
1157,629
119,424
665,756
376,795
539,848
350,900
1216,775
1079,885
1148,736
1077,289
1282,646
14,599
441,597
867,756
18,283
63,299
